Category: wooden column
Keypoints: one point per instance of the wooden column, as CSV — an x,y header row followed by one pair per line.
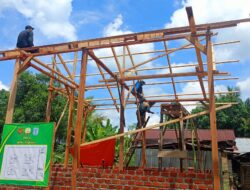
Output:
x,y
50,95
182,140
160,143
78,128
143,150
70,125
212,112
12,97
122,125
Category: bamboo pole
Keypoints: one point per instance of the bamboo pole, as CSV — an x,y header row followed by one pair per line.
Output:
x,y
69,127
154,126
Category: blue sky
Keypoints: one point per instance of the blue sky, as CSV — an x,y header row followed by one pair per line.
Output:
x,y
58,21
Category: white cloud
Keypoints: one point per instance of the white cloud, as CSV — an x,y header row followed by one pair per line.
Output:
x,y
244,88
2,86
115,28
206,11
194,87
50,17
176,68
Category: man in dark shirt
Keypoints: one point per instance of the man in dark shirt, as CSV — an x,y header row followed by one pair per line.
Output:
x,y
25,38
144,107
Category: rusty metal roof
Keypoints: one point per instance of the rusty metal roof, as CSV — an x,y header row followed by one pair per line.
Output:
x,y
203,134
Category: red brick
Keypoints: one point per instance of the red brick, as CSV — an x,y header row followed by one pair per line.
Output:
x,y
183,186
153,178
202,187
179,180
128,177
198,181
148,183
161,179
156,184
139,183
201,176
144,178
165,174
131,182
131,171
170,180
182,174
208,181
173,174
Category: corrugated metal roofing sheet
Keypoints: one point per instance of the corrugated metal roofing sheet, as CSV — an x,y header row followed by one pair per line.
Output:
x,y
203,134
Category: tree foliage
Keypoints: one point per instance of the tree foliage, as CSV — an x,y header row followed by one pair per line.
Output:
x,y
236,117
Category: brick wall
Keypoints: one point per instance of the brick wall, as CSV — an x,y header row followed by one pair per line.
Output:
x,y
133,179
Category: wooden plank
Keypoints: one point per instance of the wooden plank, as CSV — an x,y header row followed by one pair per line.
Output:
x,y
172,154
78,128
67,47
12,96
170,71
122,126
64,65
186,74
212,113
69,127
50,94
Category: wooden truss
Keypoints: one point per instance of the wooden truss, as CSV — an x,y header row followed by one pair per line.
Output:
x,y
72,75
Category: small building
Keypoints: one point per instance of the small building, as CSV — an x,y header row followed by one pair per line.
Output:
x,y
198,149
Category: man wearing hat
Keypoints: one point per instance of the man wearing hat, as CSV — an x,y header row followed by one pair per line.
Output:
x,y
25,38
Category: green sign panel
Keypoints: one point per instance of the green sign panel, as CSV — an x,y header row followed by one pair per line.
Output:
x,y
25,153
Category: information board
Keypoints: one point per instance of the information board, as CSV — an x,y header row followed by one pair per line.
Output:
x,y
25,154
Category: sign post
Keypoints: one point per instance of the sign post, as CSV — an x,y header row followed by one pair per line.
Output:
x,y
25,154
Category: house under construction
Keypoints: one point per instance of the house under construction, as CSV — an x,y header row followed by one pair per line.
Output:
x,y
73,76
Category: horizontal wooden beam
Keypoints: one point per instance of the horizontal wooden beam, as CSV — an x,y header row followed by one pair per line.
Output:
x,y
157,106
186,74
114,85
150,52
127,39
172,154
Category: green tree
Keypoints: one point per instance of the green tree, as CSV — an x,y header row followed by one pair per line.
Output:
x,y
3,107
235,117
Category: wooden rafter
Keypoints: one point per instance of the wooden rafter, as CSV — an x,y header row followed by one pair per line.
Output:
x,y
110,92
64,65
170,71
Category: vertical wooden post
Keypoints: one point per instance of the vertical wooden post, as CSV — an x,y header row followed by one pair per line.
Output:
x,y
49,102
143,151
78,128
70,125
212,112
122,125
12,97
160,142
182,140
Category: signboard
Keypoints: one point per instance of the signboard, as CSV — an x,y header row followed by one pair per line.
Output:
x,y
25,154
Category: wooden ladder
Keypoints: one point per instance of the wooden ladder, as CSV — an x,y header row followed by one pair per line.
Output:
x,y
134,144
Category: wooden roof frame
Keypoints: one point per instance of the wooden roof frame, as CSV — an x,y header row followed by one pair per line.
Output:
x,y
118,79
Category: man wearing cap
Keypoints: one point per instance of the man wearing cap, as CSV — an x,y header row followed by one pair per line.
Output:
x,y
25,38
